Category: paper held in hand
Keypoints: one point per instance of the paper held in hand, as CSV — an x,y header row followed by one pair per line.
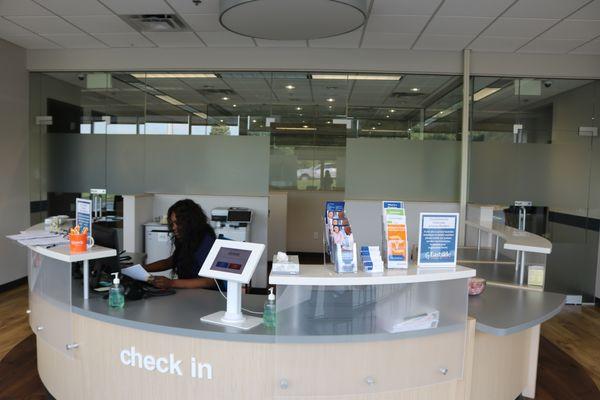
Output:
x,y
136,272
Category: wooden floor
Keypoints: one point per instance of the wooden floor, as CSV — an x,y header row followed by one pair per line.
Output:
x,y
14,325
569,362
576,331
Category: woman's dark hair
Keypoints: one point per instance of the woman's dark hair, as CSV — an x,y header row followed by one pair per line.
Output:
x,y
192,227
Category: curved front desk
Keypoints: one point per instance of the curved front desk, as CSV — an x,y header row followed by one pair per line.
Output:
x,y
158,348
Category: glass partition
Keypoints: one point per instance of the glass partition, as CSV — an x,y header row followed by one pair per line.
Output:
x,y
533,139
360,329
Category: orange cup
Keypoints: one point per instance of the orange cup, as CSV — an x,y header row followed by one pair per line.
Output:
x,y
79,242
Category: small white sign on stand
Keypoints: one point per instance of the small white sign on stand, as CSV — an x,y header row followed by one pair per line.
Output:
x,y
438,239
234,262
83,215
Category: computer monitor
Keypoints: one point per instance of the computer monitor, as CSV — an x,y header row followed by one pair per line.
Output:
x,y
106,237
234,262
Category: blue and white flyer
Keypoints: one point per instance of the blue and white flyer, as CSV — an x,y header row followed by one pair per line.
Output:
x,y
83,214
438,239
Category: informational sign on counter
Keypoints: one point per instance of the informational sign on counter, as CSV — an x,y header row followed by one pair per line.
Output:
x,y
394,234
438,239
83,214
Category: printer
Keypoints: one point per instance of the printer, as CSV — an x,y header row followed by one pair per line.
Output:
x,y
232,222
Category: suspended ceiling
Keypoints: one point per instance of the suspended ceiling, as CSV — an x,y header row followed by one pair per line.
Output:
x,y
512,26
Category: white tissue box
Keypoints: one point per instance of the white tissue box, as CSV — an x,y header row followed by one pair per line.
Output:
x,y
291,266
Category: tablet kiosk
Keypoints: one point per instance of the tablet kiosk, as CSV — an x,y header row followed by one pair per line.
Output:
x,y
234,262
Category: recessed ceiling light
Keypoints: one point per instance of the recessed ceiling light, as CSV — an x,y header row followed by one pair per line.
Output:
x,y
331,99
220,120
378,124
254,121
330,107
225,98
235,105
290,87
298,108
305,126
373,128
392,110
300,115
387,116
172,75
415,89
329,122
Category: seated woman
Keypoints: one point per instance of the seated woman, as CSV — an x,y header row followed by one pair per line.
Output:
x,y
192,238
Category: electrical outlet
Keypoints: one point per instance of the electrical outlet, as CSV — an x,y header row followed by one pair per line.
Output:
x,y
316,235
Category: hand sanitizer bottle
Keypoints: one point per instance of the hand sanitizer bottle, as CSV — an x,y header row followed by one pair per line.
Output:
x,y
269,313
116,295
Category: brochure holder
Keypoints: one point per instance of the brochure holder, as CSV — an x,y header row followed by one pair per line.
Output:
x,y
345,260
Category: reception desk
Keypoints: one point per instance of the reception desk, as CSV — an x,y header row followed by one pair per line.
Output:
x,y
481,348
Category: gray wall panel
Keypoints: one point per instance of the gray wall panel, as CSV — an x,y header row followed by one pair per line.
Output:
x,y
402,169
125,167
207,165
76,162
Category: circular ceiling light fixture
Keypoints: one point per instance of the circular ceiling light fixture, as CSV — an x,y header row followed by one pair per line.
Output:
x,y
292,19
290,87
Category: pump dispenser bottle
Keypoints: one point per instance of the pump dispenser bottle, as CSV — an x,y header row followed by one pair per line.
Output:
x,y
269,313
116,293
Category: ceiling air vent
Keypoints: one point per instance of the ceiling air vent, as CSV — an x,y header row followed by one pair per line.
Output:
x,y
156,23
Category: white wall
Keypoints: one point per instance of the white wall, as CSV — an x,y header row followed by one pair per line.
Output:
x,y
278,212
305,219
258,230
303,59
14,159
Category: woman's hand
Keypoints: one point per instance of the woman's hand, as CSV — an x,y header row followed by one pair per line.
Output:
x,y
162,282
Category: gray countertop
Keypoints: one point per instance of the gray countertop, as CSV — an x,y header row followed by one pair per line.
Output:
x,y
498,311
505,310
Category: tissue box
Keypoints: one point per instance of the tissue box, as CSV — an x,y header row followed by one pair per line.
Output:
x,y
292,266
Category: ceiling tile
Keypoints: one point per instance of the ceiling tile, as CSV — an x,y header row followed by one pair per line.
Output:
x,y
22,7
544,8
46,25
518,27
591,11
573,29
280,43
31,41
124,40
442,42
551,46
76,41
75,7
472,8
8,28
397,23
404,7
203,22
129,7
498,43
101,24
457,25
379,40
225,39
188,7
175,39
592,47
348,40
